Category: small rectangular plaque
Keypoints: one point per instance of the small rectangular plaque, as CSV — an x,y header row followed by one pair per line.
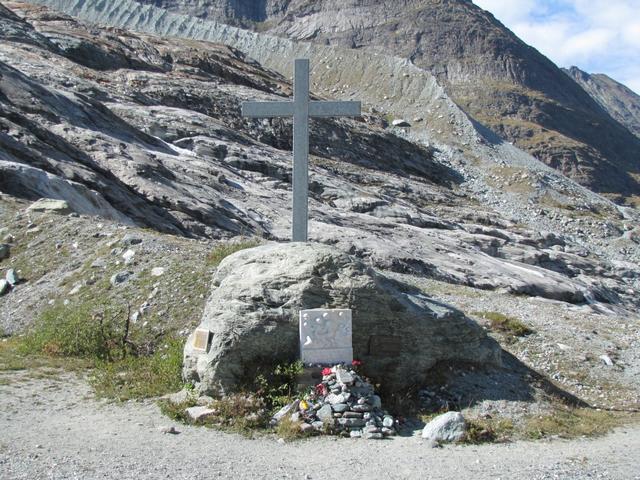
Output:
x,y
325,336
201,340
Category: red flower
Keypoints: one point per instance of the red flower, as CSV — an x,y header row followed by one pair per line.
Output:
x,y
356,363
321,390
326,371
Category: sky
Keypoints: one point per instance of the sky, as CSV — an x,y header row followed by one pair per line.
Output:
x,y
598,36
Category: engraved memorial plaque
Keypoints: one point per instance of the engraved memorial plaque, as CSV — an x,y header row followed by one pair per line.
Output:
x,y
201,340
325,336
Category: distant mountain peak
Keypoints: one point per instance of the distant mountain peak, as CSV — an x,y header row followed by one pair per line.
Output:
x,y
619,101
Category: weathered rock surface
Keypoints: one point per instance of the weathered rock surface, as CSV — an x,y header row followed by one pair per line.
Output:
x,y
449,427
165,147
490,72
50,205
397,332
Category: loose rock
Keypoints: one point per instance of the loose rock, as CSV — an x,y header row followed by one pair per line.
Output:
x,y
449,427
12,277
4,286
199,413
119,278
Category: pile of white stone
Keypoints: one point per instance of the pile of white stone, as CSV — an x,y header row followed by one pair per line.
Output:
x,y
343,403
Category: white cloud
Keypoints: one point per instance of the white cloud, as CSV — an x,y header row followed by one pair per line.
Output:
x,y
599,36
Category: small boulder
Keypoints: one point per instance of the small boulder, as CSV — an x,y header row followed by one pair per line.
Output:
x,y
120,278
99,263
204,400
344,377
179,397
5,250
128,256
449,427
325,414
171,430
157,271
130,239
12,277
51,205
199,413
606,359
291,408
4,286
400,123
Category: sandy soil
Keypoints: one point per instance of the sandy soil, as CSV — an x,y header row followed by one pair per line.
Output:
x,y
52,428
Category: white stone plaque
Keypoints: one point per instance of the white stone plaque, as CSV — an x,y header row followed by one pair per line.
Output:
x,y
325,336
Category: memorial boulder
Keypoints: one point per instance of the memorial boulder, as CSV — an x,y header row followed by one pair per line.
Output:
x,y
252,319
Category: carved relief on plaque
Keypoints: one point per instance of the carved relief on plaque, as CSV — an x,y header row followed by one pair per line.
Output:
x,y
325,336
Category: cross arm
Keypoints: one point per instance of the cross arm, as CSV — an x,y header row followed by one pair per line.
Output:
x,y
335,109
267,109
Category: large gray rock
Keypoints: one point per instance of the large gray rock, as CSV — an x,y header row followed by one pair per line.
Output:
x,y
449,427
398,332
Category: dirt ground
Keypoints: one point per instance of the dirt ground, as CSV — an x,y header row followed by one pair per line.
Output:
x,y
53,428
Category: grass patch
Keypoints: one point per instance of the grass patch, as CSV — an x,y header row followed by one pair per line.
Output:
x,y
480,430
572,423
140,376
289,429
126,364
87,330
222,251
13,357
243,413
249,412
508,325
176,411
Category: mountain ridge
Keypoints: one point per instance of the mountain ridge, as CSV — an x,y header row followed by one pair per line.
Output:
x,y
496,78
620,101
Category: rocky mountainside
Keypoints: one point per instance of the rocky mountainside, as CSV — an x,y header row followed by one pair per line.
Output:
x,y
141,135
146,131
498,79
620,102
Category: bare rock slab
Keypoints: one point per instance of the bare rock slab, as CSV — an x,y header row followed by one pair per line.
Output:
x,y
51,205
398,332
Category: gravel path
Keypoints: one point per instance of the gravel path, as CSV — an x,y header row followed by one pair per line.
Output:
x,y
52,428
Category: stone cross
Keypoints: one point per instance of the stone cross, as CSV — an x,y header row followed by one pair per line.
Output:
x,y
301,109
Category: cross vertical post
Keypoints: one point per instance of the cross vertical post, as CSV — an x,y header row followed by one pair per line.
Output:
x,y
300,227
301,109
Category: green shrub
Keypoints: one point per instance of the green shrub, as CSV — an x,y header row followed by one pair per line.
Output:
x,y
86,330
487,430
279,386
141,377
222,251
122,369
289,429
502,323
